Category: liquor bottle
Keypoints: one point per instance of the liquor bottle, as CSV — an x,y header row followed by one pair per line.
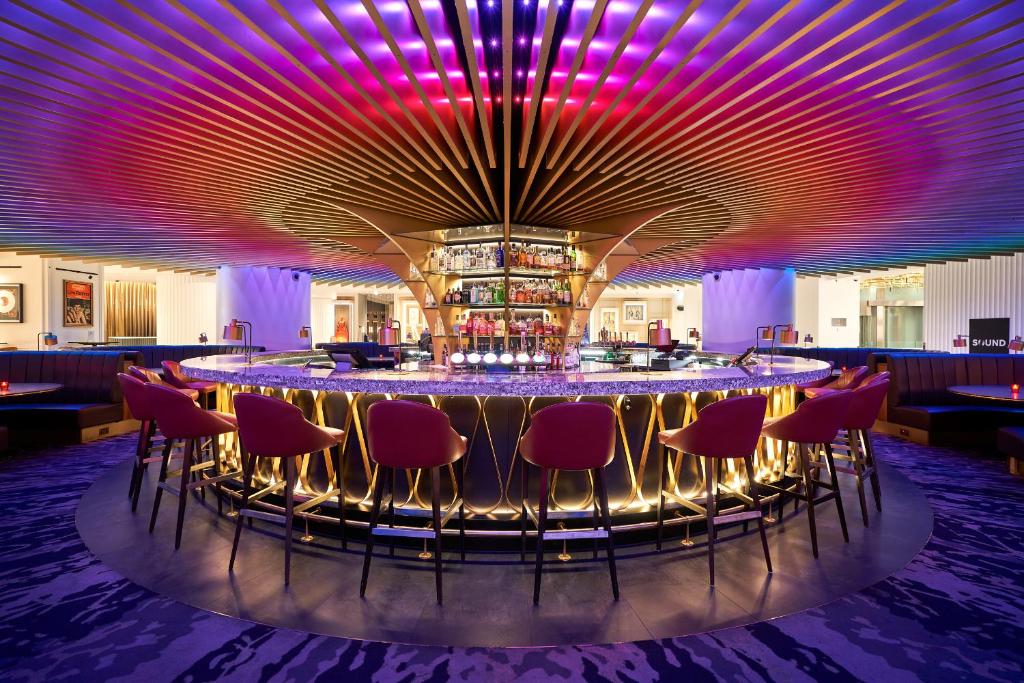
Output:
x,y
444,355
499,256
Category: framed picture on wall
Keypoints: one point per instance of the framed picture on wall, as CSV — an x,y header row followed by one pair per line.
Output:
x,y
11,310
412,319
343,318
634,312
77,304
610,319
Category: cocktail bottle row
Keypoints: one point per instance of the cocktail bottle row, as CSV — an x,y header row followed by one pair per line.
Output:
x,y
543,292
468,258
484,293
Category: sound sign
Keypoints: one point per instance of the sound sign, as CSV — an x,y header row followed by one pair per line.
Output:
x,y
990,335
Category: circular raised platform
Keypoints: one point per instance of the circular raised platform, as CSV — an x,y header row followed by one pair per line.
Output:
x,y
489,598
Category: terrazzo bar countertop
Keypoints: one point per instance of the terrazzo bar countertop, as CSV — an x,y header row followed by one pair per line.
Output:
x,y
436,380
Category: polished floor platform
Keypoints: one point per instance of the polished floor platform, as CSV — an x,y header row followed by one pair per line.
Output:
x,y
488,598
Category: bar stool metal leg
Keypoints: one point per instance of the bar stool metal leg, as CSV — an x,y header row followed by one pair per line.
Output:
x,y
248,465
663,466
461,470
756,498
857,459
140,469
378,494
542,517
289,515
523,492
391,508
709,515
435,505
606,518
836,492
338,483
809,493
165,458
186,471
215,453
869,454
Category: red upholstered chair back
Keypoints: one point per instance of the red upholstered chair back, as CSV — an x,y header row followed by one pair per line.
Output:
x,y
570,436
816,420
145,375
728,428
411,435
274,428
849,378
179,417
867,401
136,396
173,374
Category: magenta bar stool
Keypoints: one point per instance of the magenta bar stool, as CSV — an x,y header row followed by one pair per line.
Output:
x,y
814,423
180,418
724,430
271,428
175,376
568,436
137,398
147,376
409,435
865,403
851,378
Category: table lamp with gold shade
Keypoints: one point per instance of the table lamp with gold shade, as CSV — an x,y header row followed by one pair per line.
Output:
x,y
658,337
788,335
45,338
391,335
240,330
306,332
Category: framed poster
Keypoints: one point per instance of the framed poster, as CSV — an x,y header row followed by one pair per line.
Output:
x,y
11,303
989,335
610,319
342,321
77,304
634,312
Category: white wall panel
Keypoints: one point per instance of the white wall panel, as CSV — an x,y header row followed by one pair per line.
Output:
x,y
275,300
185,306
979,288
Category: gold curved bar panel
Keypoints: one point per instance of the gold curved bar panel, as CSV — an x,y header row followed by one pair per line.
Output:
x,y
493,426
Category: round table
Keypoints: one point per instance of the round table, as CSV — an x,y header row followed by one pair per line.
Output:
x,y
993,392
29,388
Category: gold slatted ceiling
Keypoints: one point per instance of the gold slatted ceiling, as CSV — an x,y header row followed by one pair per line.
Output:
x,y
823,136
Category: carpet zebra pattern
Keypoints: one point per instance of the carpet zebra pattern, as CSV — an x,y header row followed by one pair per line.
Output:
x,y
956,613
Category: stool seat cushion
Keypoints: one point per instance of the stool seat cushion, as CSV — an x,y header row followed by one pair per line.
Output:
x,y
666,436
337,434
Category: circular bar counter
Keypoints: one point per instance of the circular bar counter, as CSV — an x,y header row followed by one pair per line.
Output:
x,y
492,411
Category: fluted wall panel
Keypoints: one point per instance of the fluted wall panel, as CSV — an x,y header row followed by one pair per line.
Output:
x,y
185,306
978,288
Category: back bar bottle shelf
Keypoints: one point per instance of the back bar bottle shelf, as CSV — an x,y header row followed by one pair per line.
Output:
x,y
518,291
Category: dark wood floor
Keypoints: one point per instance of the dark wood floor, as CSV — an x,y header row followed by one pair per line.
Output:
x,y
488,598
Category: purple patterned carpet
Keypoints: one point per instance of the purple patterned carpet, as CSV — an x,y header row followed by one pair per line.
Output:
x,y
956,613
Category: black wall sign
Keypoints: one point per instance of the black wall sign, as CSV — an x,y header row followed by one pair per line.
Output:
x,y
990,335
